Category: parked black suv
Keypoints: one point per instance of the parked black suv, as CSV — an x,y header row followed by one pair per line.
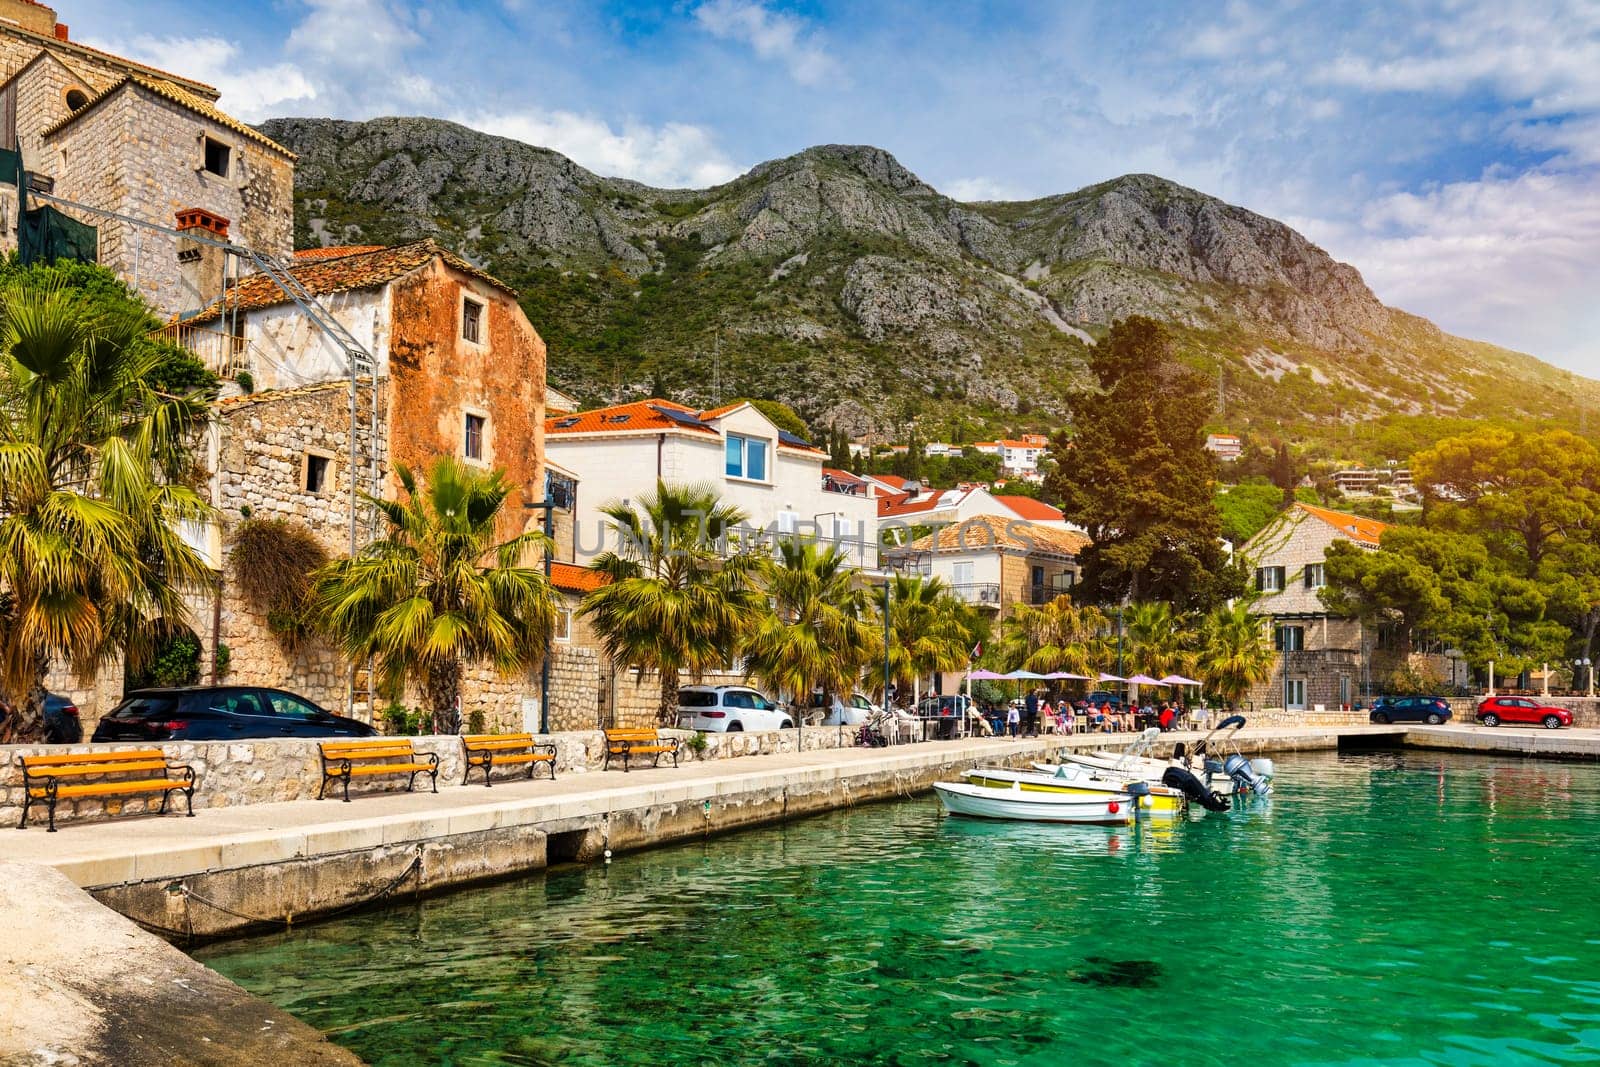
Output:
x,y
221,713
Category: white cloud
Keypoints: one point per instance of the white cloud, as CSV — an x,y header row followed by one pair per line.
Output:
x,y
772,35
250,93
1509,257
970,190
674,155
360,54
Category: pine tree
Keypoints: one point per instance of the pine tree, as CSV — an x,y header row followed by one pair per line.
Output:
x,y
1135,475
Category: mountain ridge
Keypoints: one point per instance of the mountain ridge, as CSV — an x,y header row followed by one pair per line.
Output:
x,y
839,281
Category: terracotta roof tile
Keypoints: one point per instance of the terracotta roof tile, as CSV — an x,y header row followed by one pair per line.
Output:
x,y
312,255
1033,510
1356,527
640,415
571,578
843,477
180,96
1002,532
726,409
359,270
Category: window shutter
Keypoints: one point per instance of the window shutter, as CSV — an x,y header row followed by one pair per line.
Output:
x,y
1261,579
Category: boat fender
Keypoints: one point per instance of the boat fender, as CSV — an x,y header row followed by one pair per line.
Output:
x,y
1113,807
1191,787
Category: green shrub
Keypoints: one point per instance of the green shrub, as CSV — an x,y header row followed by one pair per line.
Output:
x,y
696,744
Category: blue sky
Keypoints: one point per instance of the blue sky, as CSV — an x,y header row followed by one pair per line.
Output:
x,y
1449,149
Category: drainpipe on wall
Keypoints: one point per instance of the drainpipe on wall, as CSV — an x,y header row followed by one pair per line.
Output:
x,y
661,445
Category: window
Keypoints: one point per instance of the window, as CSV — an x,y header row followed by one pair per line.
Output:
x,y
1289,639
291,707
962,573
473,444
217,157
563,630
746,458
471,320
76,98
1269,579
1294,693
739,700
1316,578
696,698
788,522
316,471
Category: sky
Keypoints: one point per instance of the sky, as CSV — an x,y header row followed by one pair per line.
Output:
x,y
1449,149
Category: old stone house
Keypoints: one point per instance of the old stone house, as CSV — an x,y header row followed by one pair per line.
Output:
x,y
123,137
1321,658
459,371
997,561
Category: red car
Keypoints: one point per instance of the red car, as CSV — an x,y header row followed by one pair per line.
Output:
x,y
1496,710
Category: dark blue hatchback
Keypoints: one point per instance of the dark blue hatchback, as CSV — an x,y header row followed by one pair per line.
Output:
x,y
1431,710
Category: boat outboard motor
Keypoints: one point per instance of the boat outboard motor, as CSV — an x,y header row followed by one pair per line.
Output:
x,y
1245,777
1191,787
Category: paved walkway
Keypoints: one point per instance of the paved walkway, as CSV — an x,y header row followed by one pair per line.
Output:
x,y
136,849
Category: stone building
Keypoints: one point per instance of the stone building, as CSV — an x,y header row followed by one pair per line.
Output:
x,y
460,371
997,561
123,137
1322,659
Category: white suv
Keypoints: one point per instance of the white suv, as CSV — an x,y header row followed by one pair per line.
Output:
x,y
729,709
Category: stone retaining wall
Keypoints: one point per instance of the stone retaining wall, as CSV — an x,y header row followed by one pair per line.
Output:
x,y
232,773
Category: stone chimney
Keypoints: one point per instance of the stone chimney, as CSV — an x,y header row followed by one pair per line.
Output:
x,y
33,17
200,266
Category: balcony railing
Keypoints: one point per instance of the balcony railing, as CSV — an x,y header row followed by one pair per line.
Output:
x,y
831,485
986,594
1044,594
224,354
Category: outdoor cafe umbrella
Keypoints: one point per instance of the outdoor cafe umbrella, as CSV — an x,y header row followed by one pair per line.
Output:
x,y
1142,679
1066,676
1104,677
1025,674
986,676
1178,679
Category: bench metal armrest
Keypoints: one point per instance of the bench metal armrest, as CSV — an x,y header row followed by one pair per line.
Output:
x,y
547,747
185,769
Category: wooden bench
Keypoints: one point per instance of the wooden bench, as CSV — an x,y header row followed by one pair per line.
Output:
x,y
631,741
145,770
496,750
377,755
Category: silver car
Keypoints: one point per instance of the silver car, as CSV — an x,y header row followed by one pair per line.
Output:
x,y
729,709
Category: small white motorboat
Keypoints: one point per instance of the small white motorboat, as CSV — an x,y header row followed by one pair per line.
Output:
x,y
1158,801
1015,803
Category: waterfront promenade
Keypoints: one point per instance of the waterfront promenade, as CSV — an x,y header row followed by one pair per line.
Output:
x,y
230,868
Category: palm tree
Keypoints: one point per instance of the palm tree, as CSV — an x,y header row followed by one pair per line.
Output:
x,y
439,591
92,501
1160,642
675,601
1234,651
818,635
930,630
1058,636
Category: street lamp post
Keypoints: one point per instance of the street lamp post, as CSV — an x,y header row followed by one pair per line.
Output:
x,y
548,507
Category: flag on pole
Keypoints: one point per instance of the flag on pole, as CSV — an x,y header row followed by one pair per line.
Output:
x,y
977,650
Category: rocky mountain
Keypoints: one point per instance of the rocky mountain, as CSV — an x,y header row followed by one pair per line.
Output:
x,y
838,281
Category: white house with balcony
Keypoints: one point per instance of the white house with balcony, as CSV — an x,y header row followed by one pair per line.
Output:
x,y
778,480
997,561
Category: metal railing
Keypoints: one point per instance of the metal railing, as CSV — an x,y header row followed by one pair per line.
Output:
x,y
1044,594
983,593
224,354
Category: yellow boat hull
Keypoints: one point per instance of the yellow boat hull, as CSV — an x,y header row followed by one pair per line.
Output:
x,y
1158,803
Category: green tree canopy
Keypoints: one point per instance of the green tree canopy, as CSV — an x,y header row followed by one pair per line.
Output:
x,y
674,601
93,463
1247,508
818,634
439,591
1233,651
1138,478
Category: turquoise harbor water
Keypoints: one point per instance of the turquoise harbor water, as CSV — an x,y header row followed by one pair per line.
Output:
x,y
1383,908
